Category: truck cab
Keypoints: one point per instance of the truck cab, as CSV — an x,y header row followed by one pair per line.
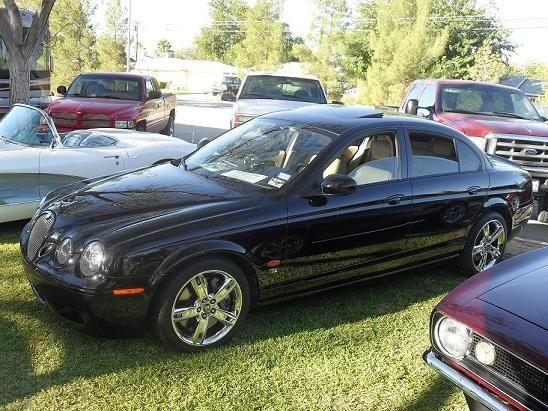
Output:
x,y
499,119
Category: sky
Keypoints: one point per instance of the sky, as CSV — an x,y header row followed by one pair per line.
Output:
x,y
180,21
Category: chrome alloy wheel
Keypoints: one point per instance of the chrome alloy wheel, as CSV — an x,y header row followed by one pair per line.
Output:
x,y
206,308
488,245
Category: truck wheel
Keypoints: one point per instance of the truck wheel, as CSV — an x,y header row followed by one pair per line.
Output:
x,y
170,127
543,217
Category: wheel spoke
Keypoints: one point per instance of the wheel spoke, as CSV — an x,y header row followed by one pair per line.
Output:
x,y
199,284
477,250
486,231
495,252
497,235
181,314
483,261
225,289
225,317
201,330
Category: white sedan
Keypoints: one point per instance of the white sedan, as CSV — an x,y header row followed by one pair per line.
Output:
x,y
35,159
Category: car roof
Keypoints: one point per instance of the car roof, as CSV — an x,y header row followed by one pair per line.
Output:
x,y
282,74
340,119
114,74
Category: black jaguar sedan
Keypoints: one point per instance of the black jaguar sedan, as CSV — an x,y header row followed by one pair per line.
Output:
x,y
286,204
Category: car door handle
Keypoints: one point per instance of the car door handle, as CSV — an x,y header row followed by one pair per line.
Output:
x,y
473,190
116,157
395,199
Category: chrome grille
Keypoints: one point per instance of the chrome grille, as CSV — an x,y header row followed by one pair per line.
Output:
x,y
517,372
524,150
38,233
65,119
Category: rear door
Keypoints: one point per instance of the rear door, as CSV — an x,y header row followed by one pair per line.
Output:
x,y
449,184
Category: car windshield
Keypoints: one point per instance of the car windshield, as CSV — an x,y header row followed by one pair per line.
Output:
x,y
487,100
283,88
98,86
25,125
266,153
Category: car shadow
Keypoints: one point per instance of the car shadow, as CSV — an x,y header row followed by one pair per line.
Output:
x,y
193,134
121,351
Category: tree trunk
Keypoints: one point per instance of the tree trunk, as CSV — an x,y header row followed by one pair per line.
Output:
x,y
19,70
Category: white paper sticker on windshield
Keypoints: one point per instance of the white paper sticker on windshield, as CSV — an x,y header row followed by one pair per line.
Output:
x,y
214,167
276,182
284,176
244,176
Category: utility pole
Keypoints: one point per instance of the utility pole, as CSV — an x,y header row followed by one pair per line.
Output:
x,y
128,53
136,41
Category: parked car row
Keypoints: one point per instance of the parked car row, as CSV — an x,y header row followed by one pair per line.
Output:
x,y
188,239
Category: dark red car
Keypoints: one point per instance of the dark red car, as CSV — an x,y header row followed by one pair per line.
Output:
x,y
490,335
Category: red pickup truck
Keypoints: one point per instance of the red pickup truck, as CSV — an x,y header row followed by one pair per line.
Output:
x,y
119,100
499,119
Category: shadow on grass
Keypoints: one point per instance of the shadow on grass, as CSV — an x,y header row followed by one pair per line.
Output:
x,y
83,356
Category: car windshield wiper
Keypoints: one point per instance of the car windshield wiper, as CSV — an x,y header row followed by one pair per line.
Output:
x,y
463,111
512,115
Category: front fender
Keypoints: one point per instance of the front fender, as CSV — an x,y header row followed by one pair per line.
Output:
x,y
195,250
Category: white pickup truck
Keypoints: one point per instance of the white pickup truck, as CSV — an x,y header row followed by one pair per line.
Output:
x,y
263,93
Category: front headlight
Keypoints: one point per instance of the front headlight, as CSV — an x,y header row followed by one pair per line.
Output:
x,y
452,338
92,258
123,124
64,251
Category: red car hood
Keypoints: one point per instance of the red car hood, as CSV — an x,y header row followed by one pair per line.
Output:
x,y
478,125
91,105
507,304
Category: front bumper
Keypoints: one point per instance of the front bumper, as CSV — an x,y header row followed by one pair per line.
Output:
x,y
82,307
470,387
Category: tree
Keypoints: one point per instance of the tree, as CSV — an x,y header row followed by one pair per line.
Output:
x,y
328,56
188,53
469,27
73,42
216,41
264,45
404,47
22,47
488,66
111,47
163,48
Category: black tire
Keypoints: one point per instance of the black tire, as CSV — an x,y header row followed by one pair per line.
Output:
x,y
169,130
167,297
141,127
543,217
466,262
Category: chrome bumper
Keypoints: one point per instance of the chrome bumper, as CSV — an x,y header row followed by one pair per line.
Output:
x,y
469,386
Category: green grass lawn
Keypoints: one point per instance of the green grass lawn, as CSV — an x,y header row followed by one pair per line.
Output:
x,y
356,348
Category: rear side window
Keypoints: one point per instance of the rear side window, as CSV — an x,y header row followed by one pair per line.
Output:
x,y
432,155
468,159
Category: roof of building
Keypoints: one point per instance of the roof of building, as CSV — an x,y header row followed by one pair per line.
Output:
x,y
528,86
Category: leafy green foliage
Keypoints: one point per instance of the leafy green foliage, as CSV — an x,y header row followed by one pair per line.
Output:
x,y
111,45
163,48
488,66
216,41
404,47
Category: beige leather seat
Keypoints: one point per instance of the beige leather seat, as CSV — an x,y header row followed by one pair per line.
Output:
x,y
444,148
340,164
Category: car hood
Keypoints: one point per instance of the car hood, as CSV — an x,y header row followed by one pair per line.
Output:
x,y
478,125
509,296
145,201
257,107
91,105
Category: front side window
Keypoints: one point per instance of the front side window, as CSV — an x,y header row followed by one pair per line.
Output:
x,y
98,86
487,100
23,125
283,88
369,160
265,153
432,155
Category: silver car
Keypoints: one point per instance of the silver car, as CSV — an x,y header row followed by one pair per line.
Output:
x,y
35,159
263,93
